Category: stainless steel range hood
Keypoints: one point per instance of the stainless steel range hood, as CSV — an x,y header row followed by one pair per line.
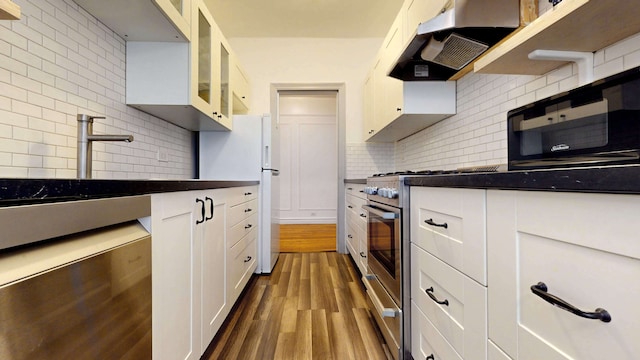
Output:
x,y
461,32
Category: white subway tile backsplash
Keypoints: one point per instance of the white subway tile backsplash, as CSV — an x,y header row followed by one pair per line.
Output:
x,y
58,61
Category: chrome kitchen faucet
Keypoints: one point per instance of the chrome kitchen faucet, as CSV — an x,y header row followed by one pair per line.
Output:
x,y
86,137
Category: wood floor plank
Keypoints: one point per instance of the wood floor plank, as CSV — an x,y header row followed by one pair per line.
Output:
x,y
316,309
303,336
321,349
369,335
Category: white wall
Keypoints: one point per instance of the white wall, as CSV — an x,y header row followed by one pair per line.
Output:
x,y
307,61
58,61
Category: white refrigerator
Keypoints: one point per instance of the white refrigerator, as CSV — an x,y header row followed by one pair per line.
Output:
x,y
249,152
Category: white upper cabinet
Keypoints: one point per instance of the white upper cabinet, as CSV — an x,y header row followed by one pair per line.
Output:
x,y
395,109
180,82
9,10
143,20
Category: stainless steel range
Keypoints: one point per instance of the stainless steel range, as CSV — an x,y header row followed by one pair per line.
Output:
x,y
387,236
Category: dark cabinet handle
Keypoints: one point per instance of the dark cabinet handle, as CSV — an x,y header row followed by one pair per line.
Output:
x,y
349,236
248,259
430,222
203,218
244,97
247,194
363,215
349,188
398,109
210,207
248,226
540,289
430,357
248,210
350,207
429,292
362,254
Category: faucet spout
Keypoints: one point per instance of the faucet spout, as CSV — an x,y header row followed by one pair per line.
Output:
x,y
85,138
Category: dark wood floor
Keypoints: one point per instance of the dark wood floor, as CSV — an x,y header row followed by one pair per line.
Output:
x,y
311,307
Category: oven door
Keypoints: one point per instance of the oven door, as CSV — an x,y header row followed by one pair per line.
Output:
x,y
383,246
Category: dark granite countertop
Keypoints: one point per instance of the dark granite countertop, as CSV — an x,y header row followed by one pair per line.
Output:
x,y
355,181
610,179
33,191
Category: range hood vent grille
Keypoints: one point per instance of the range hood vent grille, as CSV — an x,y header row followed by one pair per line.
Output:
x,y
454,52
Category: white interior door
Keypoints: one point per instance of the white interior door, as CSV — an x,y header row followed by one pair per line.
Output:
x,y
308,157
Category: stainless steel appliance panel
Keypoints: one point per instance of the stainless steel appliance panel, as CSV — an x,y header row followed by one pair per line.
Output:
x,y
98,307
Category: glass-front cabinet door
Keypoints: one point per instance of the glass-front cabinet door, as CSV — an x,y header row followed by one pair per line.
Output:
x,y
202,56
179,13
225,94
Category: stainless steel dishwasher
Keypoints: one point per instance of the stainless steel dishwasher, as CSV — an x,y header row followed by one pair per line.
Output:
x,y
75,280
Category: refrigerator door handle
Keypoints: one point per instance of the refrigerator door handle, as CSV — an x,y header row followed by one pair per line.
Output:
x,y
274,172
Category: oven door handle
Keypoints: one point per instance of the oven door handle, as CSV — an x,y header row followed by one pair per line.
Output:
x,y
383,214
383,311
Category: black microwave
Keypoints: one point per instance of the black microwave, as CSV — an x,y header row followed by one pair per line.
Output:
x,y
593,125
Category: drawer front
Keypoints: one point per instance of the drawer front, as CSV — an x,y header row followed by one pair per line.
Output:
x,y
242,258
354,209
426,340
462,320
242,194
239,230
451,225
356,190
242,211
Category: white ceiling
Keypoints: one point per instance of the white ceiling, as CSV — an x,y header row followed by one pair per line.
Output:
x,y
304,18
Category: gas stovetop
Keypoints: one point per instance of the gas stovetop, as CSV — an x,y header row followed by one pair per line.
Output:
x,y
465,170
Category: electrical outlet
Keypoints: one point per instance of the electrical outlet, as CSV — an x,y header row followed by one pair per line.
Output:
x,y
162,156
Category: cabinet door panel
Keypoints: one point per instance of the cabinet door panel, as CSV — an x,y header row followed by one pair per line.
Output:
x,y
426,340
173,246
214,290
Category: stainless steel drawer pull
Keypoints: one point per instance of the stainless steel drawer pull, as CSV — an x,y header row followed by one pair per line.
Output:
x,y
540,289
430,222
429,292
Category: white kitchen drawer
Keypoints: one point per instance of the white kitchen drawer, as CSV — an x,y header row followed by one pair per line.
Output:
x,y
241,211
451,225
426,340
362,254
239,230
242,194
242,263
585,248
356,190
462,320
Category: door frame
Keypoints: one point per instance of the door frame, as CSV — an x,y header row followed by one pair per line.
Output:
x,y
341,113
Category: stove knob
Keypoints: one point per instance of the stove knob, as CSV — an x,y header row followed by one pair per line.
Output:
x,y
384,192
393,193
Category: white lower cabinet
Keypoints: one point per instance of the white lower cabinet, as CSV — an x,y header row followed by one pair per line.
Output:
x,y
448,273
585,249
190,277
356,221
